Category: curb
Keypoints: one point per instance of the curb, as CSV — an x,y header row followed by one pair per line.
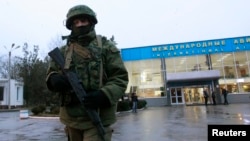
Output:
x,y
36,117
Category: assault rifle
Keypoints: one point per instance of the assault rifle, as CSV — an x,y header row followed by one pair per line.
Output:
x,y
75,83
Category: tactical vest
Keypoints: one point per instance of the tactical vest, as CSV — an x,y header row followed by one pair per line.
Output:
x,y
84,53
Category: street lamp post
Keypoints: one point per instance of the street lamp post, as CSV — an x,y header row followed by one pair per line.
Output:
x,y
9,73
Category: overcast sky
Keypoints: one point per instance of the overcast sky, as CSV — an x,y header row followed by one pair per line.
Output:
x,y
134,23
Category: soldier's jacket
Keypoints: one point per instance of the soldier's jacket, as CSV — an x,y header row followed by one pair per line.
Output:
x,y
86,63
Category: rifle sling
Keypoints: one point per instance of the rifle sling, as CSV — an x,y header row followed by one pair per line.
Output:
x,y
99,42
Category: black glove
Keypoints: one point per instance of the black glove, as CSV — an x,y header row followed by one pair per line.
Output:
x,y
58,82
96,99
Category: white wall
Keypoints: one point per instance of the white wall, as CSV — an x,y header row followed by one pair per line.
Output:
x,y
16,91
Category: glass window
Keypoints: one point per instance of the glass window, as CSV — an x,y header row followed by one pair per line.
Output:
x,y
1,93
202,63
180,64
217,63
228,63
145,77
241,64
193,64
227,59
248,62
246,87
170,65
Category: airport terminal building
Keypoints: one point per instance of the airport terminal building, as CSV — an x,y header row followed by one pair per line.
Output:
x,y
173,74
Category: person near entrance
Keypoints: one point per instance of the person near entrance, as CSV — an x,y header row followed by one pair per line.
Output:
x,y
205,94
214,97
190,96
134,102
224,93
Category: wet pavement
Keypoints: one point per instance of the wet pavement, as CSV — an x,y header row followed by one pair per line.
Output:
x,y
172,123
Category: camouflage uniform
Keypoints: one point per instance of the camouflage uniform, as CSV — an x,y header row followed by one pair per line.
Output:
x,y
99,68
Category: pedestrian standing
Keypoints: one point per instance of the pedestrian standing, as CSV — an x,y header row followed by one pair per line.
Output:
x,y
134,102
224,93
98,64
205,94
214,97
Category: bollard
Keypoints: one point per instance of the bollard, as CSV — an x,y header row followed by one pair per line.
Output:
x,y
24,114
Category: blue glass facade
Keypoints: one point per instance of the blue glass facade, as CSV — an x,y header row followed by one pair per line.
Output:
x,y
230,57
187,48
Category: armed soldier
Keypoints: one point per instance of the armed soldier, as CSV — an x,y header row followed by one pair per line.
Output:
x,y
101,72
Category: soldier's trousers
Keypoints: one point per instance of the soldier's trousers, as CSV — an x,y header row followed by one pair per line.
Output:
x,y
87,135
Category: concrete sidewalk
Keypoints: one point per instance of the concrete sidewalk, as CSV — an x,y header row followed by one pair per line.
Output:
x,y
174,123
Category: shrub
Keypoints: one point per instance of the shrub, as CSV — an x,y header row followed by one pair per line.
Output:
x,y
55,110
38,109
127,105
141,104
123,106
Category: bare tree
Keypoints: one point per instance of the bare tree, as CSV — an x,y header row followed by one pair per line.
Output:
x,y
4,70
57,41
3,67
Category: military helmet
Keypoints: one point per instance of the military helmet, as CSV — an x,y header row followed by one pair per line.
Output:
x,y
80,10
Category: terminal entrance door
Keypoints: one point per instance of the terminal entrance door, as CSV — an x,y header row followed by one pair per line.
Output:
x,y
176,96
194,94
188,95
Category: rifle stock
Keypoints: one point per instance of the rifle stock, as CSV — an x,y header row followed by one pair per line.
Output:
x,y
72,77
